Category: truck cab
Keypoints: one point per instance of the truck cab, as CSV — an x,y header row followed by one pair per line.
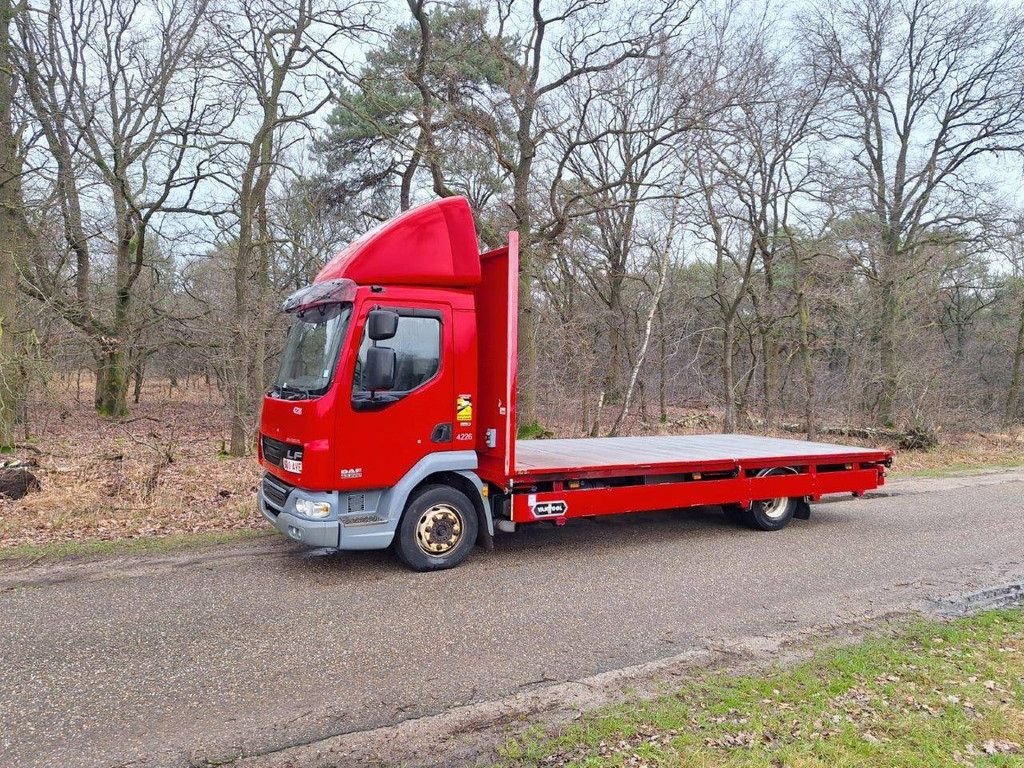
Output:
x,y
376,403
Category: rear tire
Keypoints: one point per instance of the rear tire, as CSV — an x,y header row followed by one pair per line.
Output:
x,y
438,529
767,515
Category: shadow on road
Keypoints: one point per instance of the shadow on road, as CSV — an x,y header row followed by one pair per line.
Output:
x,y
546,542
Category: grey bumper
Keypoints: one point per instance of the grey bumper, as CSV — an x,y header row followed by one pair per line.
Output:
x,y
312,533
350,526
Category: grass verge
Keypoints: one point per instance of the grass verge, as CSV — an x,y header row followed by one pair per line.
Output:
x,y
936,694
140,546
1015,462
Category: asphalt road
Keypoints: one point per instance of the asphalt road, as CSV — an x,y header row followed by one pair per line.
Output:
x,y
166,660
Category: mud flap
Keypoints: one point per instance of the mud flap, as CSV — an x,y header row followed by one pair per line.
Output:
x,y
485,538
803,510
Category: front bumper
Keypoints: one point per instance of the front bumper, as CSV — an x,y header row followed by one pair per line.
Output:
x,y
357,529
312,533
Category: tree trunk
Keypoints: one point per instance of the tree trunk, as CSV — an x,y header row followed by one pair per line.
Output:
x,y
1011,415
804,313
12,238
112,382
769,372
595,428
113,372
238,382
245,366
767,337
528,363
888,350
137,373
729,376
612,386
662,360
523,211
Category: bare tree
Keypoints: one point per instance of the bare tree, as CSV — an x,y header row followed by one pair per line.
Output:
x,y
543,51
612,163
282,55
928,90
12,236
661,249
118,91
734,262
772,170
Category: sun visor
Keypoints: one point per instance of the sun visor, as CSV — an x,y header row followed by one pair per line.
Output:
x,y
317,294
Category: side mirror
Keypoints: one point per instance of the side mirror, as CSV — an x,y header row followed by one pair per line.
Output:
x,y
379,368
381,324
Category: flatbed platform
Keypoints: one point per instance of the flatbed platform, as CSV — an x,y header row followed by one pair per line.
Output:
x,y
558,479
603,454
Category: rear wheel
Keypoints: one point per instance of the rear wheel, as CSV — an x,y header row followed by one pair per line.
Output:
x,y
438,529
769,514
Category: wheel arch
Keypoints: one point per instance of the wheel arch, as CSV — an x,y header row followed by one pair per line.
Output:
x,y
452,468
471,485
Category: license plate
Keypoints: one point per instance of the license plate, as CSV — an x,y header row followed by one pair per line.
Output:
x,y
291,465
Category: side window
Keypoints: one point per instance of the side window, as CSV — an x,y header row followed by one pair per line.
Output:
x,y
417,348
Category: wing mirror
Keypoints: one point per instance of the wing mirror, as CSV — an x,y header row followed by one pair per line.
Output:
x,y
381,324
379,370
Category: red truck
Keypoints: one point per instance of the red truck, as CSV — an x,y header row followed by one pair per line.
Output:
x,y
392,421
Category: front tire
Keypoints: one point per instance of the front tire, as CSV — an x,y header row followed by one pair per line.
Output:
x,y
438,529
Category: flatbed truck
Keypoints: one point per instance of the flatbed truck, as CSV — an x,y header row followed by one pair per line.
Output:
x,y
392,420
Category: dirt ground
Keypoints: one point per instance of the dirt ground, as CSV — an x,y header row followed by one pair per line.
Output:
x,y
163,471
159,472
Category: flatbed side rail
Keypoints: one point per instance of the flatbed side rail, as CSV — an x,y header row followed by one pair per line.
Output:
x,y
564,501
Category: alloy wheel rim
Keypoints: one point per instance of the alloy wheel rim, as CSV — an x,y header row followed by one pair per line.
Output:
x,y
439,530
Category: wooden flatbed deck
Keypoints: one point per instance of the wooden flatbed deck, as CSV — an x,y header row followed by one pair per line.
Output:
x,y
544,457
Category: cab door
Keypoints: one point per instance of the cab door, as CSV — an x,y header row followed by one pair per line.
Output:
x,y
378,442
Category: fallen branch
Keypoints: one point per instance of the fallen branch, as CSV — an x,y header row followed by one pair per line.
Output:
x,y
912,439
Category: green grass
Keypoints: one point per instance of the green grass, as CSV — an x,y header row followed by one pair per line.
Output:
x,y
936,694
955,469
141,546
533,430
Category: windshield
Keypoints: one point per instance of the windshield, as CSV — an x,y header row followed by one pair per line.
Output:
x,y
311,354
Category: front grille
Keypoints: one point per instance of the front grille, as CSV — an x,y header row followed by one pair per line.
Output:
x,y
273,450
276,491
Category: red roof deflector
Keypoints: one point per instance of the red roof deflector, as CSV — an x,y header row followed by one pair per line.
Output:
x,y
433,244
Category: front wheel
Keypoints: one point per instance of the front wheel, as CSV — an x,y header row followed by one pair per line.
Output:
x,y
438,529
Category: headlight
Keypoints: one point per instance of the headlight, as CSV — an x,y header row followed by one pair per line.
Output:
x,y
314,509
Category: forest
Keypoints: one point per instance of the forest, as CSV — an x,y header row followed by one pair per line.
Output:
x,y
737,215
